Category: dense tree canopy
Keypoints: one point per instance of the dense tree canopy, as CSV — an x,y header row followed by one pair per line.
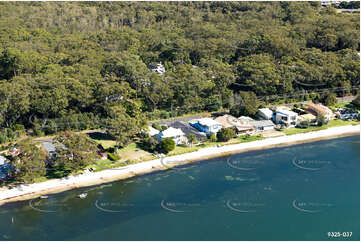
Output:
x,y
73,152
80,65
29,164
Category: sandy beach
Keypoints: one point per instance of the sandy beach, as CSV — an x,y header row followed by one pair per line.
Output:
x,y
25,192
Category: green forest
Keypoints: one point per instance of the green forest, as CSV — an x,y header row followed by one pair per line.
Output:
x,y
84,65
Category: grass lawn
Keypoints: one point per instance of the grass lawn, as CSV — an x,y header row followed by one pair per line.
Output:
x,y
105,164
134,154
105,140
340,105
244,138
332,123
181,150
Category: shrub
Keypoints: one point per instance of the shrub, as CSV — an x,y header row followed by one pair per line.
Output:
x,y
149,144
37,131
192,139
113,157
321,120
329,99
304,124
356,102
18,127
2,139
225,134
10,134
166,145
213,138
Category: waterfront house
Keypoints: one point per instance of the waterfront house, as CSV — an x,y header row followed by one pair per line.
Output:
x,y
175,134
287,117
227,121
206,125
319,110
240,126
262,125
265,113
187,130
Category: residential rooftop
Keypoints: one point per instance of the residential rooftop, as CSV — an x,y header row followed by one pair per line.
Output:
x,y
208,122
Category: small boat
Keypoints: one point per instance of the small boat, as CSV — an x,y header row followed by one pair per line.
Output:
x,y
44,197
83,195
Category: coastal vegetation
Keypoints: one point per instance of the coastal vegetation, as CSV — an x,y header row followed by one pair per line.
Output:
x,y
88,68
225,134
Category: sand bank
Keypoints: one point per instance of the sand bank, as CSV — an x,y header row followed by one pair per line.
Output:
x,y
25,192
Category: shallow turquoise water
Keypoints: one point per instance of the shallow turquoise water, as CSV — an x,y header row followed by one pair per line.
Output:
x,y
300,192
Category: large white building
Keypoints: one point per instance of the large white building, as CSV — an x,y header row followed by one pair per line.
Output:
x,y
206,125
287,117
262,125
176,135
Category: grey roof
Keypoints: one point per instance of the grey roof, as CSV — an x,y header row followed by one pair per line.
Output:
x,y
49,147
262,123
187,130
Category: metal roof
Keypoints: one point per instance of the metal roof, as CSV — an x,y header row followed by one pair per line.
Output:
x,y
208,122
262,123
187,130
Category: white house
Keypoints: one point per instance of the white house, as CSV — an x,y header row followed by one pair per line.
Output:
x,y
286,117
265,113
206,125
262,125
175,134
158,68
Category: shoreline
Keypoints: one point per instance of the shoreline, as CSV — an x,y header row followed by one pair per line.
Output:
x,y
26,192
